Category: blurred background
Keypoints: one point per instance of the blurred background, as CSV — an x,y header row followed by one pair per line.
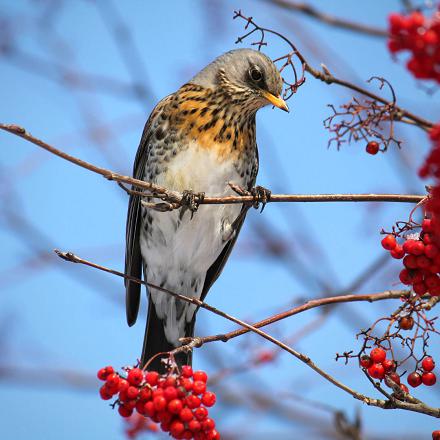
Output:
x,y
84,76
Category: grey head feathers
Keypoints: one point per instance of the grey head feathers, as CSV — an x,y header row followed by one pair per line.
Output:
x,y
247,70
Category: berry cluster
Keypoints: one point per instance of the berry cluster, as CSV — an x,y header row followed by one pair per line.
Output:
x,y
426,376
431,168
378,366
421,258
177,400
421,36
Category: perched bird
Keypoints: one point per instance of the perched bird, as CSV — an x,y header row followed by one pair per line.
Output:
x,y
199,138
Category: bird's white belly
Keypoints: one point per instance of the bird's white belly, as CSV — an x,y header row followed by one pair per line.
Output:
x,y
178,250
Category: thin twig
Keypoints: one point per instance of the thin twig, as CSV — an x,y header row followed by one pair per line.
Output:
x,y
331,20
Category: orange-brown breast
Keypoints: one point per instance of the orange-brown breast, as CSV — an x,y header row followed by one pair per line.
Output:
x,y
207,118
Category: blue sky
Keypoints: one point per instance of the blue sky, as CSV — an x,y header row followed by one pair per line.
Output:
x,y
57,316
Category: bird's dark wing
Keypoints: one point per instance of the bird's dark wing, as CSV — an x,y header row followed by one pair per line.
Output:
x,y
133,256
216,268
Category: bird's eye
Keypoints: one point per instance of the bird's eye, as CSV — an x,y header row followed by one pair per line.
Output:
x,y
255,74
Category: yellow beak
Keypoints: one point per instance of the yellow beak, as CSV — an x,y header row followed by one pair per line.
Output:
x,y
277,101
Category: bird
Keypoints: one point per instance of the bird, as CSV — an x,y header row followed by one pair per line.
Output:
x,y
199,139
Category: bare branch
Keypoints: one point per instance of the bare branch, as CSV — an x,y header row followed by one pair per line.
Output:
x,y
174,199
391,403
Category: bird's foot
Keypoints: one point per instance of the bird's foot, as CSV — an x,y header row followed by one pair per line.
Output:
x,y
261,195
191,200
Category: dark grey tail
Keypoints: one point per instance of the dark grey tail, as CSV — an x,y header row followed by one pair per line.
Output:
x,y
155,342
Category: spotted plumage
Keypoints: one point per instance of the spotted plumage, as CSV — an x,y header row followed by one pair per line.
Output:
x,y
200,138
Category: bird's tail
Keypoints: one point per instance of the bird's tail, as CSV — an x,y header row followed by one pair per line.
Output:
x,y
155,342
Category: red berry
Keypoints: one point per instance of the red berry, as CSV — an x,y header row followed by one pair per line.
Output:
x,y
186,383
199,387
431,250
149,408
389,242
194,426
186,415
372,148
410,262
378,355
428,363
418,247
429,379
427,239
152,377
405,277
432,281
170,393
397,252
389,365
406,323
365,361
112,383
103,373
104,393
132,393
145,394
170,381
160,403
420,288
140,407
208,399
123,385
187,435
436,435
404,388
175,406
208,424
158,392
394,377
414,379
125,411
377,371
426,225
135,376
193,401
423,262
201,413
214,435
177,428
187,371
408,246
200,375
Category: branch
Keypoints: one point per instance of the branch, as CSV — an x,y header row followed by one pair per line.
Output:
x,y
174,199
330,19
394,403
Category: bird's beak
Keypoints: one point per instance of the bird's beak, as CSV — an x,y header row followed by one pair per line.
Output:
x,y
277,101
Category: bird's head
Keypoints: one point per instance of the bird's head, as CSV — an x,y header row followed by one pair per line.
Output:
x,y
248,77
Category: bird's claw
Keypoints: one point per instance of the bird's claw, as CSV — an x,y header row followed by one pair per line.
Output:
x,y
261,195
191,200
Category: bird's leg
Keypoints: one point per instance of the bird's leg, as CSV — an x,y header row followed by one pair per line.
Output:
x,y
191,200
